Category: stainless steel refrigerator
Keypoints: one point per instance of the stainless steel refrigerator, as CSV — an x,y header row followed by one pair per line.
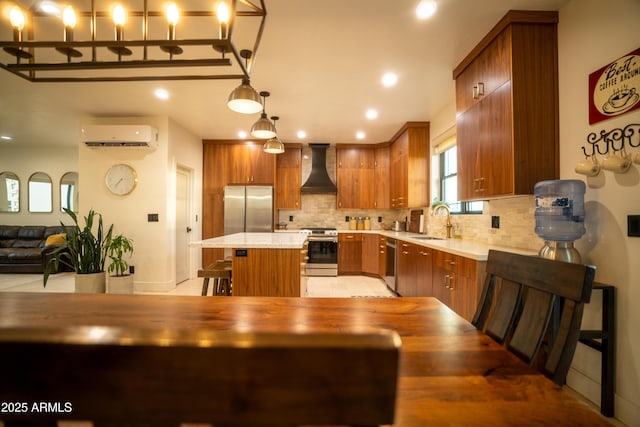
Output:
x,y
248,208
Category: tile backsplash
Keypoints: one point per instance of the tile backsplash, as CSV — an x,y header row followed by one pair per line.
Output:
x,y
516,220
516,215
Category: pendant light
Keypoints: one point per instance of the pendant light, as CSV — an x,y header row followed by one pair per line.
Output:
x,y
274,145
244,99
263,128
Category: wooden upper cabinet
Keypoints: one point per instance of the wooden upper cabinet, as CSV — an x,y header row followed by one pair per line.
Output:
x,y
507,127
355,177
409,166
287,186
381,177
251,165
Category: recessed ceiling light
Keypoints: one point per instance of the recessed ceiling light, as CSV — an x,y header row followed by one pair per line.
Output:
x,y
242,134
161,94
5,138
389,79
371,114
50,8
426,9
301,134
360,135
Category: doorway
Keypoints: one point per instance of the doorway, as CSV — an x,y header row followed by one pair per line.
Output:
x,y
183,223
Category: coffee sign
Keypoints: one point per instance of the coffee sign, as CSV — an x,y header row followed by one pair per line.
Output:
x,y
615,88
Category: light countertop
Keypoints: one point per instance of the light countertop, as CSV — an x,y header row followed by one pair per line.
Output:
x,y
466,248
255,240
292,239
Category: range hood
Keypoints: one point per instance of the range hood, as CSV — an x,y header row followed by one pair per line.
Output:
x,y
318,181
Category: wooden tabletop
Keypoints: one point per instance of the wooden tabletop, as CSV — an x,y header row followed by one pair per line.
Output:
x,y
450,374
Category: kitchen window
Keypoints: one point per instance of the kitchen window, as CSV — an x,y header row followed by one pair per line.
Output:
x,y
448,170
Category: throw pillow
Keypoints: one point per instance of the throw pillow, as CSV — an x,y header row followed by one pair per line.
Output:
x,y
56,239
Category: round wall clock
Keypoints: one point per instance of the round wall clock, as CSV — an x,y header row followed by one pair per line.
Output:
x,y
121,179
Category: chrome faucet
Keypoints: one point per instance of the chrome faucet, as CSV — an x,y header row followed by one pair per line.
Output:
x,y
449,225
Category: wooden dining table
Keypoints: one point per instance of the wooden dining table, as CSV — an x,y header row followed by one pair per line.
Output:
x,y
450,374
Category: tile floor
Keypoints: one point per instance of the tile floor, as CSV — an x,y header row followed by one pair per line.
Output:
x,y
336,287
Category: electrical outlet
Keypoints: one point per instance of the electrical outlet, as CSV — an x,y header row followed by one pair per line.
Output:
x,y
379,219
290,218
495,221
152,217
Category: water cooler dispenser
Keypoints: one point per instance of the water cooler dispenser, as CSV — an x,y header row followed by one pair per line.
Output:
x,y
560,218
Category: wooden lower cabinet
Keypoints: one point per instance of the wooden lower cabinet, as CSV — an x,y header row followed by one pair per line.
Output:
x,y
424,285
349,253
382,256
457,282
370,254
413,277
407,271
266,272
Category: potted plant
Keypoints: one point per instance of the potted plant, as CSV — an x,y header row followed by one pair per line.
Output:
x,y
84,252
122,281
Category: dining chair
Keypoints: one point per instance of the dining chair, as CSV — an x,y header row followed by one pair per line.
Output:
x,y
529,301
165,377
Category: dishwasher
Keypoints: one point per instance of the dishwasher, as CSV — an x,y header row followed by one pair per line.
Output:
x,y
390,275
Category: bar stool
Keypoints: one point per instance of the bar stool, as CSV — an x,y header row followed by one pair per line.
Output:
x,y
220,271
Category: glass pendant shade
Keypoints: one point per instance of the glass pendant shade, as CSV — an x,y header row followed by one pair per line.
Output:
x,y
273,146
244,99
263,128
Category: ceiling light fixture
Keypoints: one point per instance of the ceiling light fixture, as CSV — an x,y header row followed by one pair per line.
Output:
x,y
389,79
274,145
360,135
263,128
142,55
426,9
371,114
161,94
301,134
244,99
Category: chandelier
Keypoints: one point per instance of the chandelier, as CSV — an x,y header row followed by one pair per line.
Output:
x,y
133,41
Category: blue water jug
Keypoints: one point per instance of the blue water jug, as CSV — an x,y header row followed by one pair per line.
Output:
x,y
560,209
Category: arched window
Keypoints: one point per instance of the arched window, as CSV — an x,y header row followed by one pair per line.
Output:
x,y
69,191
9,192
40,199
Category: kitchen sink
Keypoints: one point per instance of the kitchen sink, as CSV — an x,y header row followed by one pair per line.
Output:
x,y
428,238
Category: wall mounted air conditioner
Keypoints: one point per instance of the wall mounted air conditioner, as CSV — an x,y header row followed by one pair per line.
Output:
x,y
142,136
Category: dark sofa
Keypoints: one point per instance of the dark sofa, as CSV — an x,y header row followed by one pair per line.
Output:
x,y
23,249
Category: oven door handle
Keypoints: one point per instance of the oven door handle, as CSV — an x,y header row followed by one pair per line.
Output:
x,y
322,239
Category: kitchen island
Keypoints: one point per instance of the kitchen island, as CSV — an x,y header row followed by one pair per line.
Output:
x,y
264,264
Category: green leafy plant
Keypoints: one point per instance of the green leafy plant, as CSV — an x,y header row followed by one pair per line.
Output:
x,y
84,252
117,248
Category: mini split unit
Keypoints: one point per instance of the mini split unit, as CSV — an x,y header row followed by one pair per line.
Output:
x,y
141,136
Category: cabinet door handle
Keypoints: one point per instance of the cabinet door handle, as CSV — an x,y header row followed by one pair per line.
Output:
x,y
474,92
350,237
446,281
480,89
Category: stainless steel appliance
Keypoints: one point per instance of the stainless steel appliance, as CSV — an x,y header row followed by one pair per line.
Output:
x,y
322,251
390,276
248,208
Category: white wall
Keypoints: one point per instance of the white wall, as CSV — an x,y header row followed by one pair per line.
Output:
x,y
55,162
154,254
591,34
185,151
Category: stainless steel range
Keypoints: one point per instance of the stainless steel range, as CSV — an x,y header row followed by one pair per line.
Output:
x,y
322,251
